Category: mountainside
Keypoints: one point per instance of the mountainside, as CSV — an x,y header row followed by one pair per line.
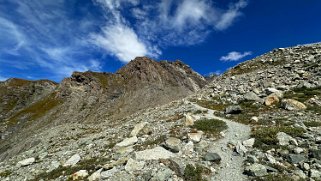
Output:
x,y
261,120
90,97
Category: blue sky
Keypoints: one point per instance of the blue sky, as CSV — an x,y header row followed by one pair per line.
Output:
x,y
50,39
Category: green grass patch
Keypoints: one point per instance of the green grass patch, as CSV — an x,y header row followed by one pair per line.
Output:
x,y
312,123
265,137
250,109
5,173
193,173
90,165
37,110
212,104
149,143
303,94
210,126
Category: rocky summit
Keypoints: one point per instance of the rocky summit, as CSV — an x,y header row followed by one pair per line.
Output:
x,y
157,121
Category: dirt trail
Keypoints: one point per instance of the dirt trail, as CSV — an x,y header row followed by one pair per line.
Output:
x,y
231,167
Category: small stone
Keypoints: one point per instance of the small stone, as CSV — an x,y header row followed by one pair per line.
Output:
x,y
271,100
318,139
189,120
81,174
296,158
72,160
173,144
213,157
256,170
133,165
138,128
255,119
127,142
195,137
154,154
249,143
251,96
240,149
283,138
251,159
108,173
271,159
95,176
315,154
306,166
291,105
315,174
298,150
163,174
233,109
300,174
26,162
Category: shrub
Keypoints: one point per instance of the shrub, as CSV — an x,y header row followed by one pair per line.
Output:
x,y
210,126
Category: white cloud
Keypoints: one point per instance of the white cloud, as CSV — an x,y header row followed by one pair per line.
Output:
x,y
190,12
151,26
42,35
228,18
235,56
120,41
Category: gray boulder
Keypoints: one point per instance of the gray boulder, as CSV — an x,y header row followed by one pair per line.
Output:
x,y
236,109
213,157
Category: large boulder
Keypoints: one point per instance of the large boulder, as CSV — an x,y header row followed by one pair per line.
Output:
x,y
26,162
235,109
72,160
256,170
291,105
271,100
251,96
127,142
285,139
138,127
212,157
154,154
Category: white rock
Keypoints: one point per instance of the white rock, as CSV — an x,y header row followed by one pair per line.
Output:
x,y
26,162
154,154
188,149
270,158
80,174
283,138
249,142
95,176
255,119
189,120
240,149
133,165
108,173
138,128
72,160
127,142
298,150
195,137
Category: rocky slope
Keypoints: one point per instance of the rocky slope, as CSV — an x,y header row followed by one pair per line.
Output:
x,y
89,97
261,120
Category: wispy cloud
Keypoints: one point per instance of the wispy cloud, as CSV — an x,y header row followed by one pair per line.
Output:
x,y
59,37
120,41
235,56
38,34
162,23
